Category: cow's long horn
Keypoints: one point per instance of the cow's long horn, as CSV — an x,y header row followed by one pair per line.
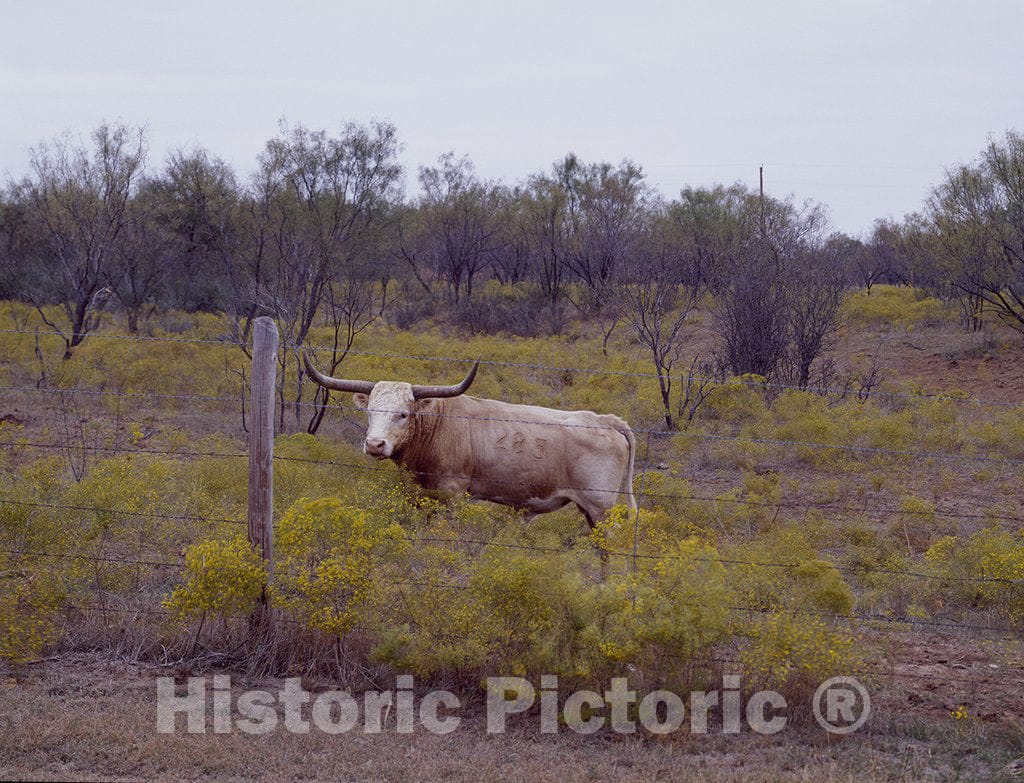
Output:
x,y
422,392
338,384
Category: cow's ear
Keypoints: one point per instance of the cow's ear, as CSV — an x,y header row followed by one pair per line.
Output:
x,y
361,400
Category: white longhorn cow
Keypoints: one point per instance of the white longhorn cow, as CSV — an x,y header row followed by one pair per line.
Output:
x,y
524,456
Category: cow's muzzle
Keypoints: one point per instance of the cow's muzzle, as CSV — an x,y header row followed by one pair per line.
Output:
x,y
377,447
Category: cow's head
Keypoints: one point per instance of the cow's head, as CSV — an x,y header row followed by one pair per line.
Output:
x,y
390,406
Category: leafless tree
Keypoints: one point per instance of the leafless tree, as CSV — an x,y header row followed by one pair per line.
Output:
x,y
352,302
514,252
544,210
652,298
697,387
884,258
78,207
750,316
15,274
142,262
454,232
755,291
816,284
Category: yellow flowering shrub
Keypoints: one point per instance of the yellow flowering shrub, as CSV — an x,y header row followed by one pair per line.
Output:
x,y
1006,569
654,531
938,423
786,649
221,577
666,492
783,571
329,561
525,613
498,612
1002,434
806,417
871,427
670,612
894,305
28,608
34,527
431,628
522,611
131,483
985,568
747,509
738,400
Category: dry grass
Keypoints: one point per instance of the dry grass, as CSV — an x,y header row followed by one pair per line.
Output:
x,y
86,719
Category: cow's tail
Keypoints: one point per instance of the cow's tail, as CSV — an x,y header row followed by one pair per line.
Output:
x,y
627,480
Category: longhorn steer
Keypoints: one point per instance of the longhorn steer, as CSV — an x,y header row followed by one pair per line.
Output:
x,y
525,456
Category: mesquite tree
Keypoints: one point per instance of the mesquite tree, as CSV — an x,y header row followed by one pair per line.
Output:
x,y
655,297
318,200
977,215
77,201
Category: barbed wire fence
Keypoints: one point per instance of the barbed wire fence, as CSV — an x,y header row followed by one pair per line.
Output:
x,y
261,532
761,384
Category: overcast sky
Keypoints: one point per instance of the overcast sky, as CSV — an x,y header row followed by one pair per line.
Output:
x,y
859,104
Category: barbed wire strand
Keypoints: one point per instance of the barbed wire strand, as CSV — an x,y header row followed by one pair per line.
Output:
x,y
92,558
536,548
651,494
937,455
781,442
823,390
119,511
837,617
885,672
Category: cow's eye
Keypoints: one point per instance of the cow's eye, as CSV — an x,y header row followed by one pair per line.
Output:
x,y
403,415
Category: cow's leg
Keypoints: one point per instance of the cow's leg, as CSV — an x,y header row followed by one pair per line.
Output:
x,y
593,510
593,515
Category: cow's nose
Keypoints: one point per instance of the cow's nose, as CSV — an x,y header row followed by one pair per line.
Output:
x,y
374,445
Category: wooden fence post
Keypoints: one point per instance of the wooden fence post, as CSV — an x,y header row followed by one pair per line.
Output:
x,y
261,452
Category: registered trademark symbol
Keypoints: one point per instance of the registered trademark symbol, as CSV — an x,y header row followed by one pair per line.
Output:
x,y
841,705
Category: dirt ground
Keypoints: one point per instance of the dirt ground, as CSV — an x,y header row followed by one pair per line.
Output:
x,y
942,360
80,717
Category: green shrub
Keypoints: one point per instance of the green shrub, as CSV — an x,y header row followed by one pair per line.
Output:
x,y
29,600
737,401
782,571
669,614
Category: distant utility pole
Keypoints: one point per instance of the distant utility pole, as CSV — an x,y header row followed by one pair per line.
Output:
x,y
760,174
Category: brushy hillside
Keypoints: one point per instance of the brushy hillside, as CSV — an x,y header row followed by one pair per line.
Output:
x,y
793,534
